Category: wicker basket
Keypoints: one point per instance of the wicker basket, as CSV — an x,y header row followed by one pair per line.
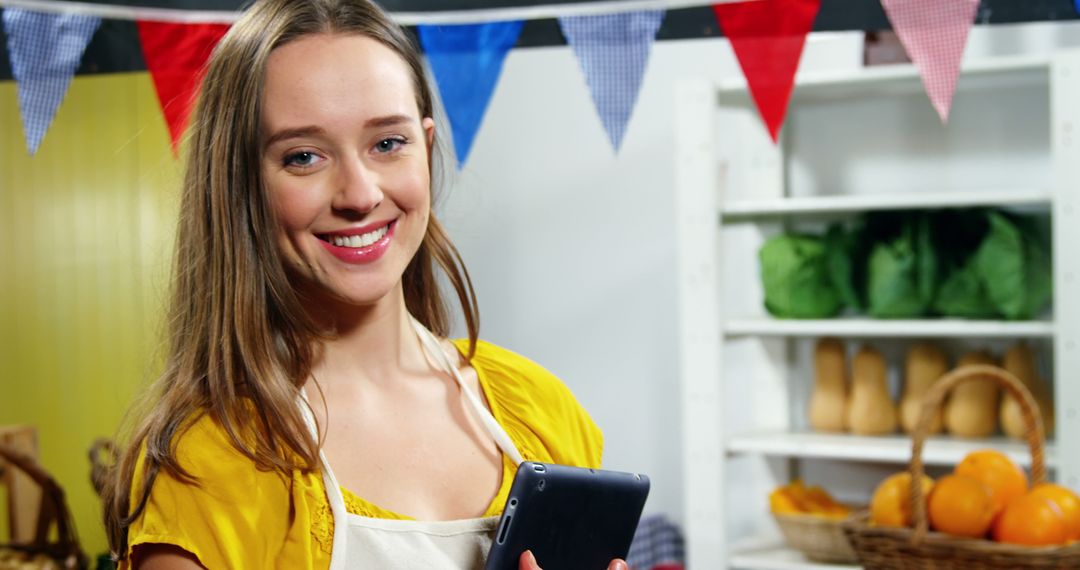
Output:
x,y
905,548
64,550
820,539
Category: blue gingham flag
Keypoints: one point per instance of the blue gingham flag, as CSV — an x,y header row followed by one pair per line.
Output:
x,y
613,50
45,52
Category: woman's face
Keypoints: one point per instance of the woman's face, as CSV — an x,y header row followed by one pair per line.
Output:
x,y
344,157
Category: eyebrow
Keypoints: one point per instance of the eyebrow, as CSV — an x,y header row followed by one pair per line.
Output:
x,y
313,130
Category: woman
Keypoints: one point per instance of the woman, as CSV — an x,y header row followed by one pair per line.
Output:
x,y
310,414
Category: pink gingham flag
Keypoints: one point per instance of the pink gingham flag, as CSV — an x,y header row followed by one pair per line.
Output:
x,y
934,33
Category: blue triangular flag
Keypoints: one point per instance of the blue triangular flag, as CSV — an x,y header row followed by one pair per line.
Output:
x,y
613,50
45,51
466,61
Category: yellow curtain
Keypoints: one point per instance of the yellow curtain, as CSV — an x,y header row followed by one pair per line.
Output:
x,y
86,230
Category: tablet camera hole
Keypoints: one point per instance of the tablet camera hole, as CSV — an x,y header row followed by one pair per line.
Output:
x,y
541,484
513,503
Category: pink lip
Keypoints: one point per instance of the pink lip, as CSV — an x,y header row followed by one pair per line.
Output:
x,y
360,255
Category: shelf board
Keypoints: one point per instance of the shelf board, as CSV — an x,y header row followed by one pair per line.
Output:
x,y
900,79
880,449
865,327
778,557
873,202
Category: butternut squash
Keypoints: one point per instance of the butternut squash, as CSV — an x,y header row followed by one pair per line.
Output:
x,y
1020,360
828,402
870,411
926,363
972,408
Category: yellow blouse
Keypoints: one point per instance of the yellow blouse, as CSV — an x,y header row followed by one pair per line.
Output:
x,y
238,516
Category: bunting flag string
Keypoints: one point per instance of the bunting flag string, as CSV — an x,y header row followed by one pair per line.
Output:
x,y
465,49
466,61
175,56
552,10
934,33
768,38
613,51
45,52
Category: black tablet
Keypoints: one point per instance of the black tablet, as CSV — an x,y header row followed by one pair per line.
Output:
x,y
569,517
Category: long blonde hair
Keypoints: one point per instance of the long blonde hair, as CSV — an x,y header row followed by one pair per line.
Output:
x,y
240,343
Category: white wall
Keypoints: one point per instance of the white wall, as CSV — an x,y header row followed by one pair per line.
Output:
x,y
571,247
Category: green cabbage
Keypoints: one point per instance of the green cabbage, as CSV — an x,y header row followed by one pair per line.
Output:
x,y
795,276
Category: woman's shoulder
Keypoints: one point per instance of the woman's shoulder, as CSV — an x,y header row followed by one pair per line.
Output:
x,y
211,467
537,407
223,508
204,449
511,373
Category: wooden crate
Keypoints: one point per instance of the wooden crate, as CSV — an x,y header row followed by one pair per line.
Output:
x,y
23,495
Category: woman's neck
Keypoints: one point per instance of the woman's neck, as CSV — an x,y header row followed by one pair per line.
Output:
x,y
375,343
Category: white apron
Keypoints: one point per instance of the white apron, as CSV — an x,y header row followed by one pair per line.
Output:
x,y
382,544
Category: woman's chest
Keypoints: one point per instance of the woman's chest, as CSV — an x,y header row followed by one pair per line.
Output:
x,y
431,464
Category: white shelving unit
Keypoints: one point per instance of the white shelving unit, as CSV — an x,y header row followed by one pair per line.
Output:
x,y
777,557
938,328
886,449
835,205
744,374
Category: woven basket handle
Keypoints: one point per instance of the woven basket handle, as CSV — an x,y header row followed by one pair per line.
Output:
x,y
1033,430
53,507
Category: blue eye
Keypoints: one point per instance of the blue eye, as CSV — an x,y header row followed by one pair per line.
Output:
x,y
389,145
301,159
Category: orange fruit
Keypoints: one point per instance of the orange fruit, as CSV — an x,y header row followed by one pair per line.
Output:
x,y
1067,501
1031,520
961,506
891,503
1004,478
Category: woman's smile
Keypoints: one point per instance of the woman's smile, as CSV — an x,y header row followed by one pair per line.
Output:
x,y
359,245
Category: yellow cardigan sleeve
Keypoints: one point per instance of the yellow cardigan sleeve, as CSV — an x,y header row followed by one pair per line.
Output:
x,y
234,516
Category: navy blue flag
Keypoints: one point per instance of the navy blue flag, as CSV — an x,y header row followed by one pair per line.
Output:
x,y
466,61
613,51
45,51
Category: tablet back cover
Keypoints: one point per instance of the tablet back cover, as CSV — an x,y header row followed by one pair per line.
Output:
x,y
570,517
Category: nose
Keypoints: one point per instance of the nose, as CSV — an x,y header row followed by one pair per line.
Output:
x,y
358,188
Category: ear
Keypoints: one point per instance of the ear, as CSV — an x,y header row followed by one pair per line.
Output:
x,y
428,124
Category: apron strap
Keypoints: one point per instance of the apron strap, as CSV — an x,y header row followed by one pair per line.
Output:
x,y
333,491
497,432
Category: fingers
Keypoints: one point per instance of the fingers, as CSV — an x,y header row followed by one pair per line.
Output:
x,y
528,561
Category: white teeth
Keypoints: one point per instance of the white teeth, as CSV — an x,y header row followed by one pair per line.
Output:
x,y
360,240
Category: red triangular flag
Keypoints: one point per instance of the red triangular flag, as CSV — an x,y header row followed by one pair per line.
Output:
x,y
175,55
934,33
768,38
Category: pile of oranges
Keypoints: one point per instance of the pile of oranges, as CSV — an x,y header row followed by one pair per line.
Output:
x,y
986,496
796,498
